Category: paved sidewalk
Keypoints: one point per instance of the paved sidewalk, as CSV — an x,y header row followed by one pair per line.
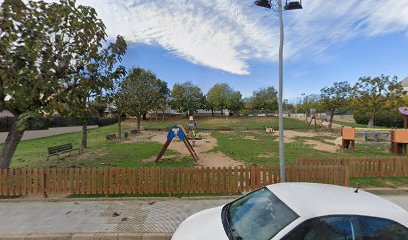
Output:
x,y
156,219
107,219
33,134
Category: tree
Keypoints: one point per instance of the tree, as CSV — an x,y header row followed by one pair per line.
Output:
x,y
335,98
311,101
187,98
221,96
42,47
140,88
235,102
265,99
372,94
100,105
161,98
119,104
98,75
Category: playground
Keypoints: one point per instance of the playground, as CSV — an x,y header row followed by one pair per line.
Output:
x,y
239,145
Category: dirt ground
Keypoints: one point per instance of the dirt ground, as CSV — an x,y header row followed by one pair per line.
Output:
x,y
217,159
289,136
202,148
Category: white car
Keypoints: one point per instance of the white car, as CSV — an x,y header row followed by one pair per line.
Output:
x,y
297,211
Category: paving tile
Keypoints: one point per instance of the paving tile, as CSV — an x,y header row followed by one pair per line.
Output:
x,y
106,236
83,236
130,236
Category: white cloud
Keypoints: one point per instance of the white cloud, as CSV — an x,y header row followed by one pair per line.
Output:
x,y
227,34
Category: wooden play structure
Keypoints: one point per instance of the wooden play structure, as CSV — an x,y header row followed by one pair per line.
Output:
x,y
312,118
399,142
191,123
348,136
399,139
180,132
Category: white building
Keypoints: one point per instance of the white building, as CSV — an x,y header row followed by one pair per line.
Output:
x,y
404,84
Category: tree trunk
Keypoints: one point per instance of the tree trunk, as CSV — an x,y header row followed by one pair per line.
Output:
x,y
120,127
331,120
138,123
84,136
163,116
371,121
212,112
144,115
222,112
9,147
157,115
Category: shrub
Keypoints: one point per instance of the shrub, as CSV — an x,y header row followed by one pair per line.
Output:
x,y
391,119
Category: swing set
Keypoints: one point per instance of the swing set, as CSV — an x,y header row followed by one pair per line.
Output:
x,y
180,132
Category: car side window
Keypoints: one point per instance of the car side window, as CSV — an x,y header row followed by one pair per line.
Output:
x,y
326,228
373,228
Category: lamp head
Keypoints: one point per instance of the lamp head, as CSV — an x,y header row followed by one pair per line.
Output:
x,y
263,3
292,5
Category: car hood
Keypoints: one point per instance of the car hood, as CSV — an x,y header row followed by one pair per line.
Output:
x,y
203,225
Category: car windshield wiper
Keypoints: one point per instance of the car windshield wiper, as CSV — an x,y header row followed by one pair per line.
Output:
x,y
235,235
225,217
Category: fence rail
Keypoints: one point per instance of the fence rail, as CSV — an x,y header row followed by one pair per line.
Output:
x,y
365,167
158,181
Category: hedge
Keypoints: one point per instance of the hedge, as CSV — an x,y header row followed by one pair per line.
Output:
x,y
391,119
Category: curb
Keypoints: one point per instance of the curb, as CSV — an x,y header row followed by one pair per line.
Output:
x,y
387,191
90,236
102,199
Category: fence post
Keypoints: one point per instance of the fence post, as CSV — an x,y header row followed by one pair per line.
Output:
x,y
45,184
346,176
382,167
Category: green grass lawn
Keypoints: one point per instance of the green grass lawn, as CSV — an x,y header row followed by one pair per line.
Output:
x,y
262,151
33,153
385,182
233,122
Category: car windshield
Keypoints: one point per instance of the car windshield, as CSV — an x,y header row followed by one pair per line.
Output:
x,y
259,216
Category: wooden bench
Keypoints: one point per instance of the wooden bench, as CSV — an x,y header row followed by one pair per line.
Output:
x,y
110,137
57,150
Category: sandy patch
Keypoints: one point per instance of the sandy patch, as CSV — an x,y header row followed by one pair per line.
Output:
x,y
267,155
217,160
249,137
289,135
201,147
144,136
321,146
330,141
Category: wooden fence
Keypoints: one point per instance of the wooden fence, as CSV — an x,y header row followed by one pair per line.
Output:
x,y
365,167
157,181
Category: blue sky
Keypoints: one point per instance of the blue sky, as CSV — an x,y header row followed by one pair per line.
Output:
x,y
233,41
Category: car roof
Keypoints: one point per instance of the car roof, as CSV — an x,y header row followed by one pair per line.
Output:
x,y
310,200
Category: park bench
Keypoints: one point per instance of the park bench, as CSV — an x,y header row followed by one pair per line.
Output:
x,y
110,137
61,149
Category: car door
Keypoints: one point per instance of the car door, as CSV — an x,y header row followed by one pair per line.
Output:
x,y
326,228
373,228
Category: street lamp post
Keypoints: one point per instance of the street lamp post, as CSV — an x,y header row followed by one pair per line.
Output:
x,y
291,5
